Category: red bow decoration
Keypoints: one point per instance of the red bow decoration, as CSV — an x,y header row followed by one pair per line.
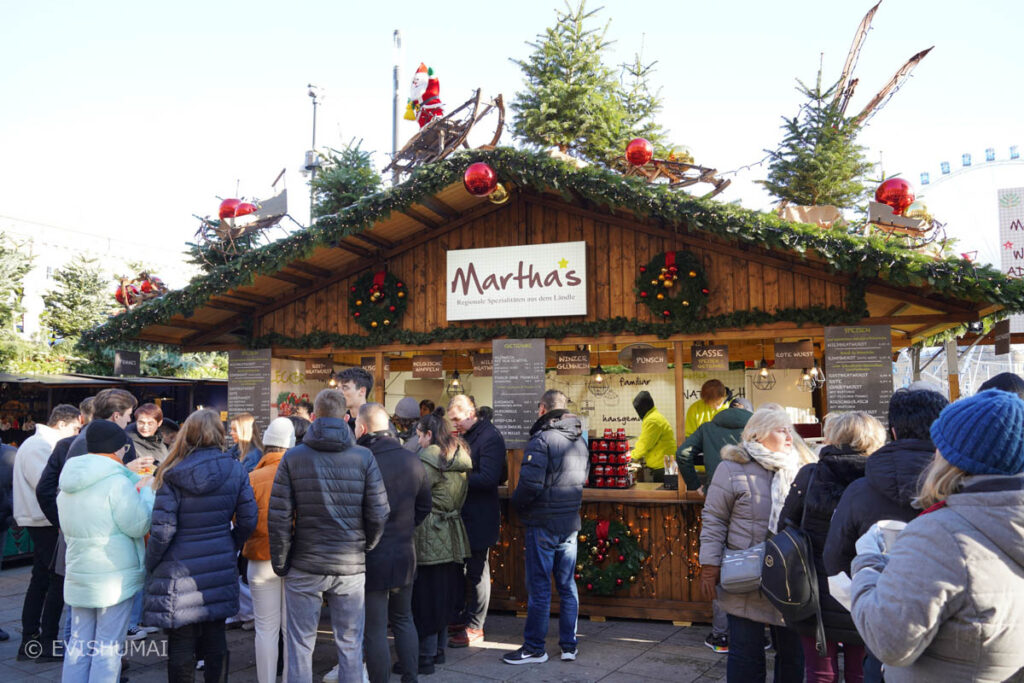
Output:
x,y
602,529
670,259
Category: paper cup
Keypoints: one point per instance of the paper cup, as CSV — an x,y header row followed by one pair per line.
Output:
x,y
890,530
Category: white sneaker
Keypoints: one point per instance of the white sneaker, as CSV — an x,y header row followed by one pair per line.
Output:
x,y
569,655
136,633
331,676
248,625
201,665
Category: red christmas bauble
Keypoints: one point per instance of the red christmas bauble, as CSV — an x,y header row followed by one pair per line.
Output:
x,y
622,558
615,540
352,288
643,269
579,576
639,151
391,309
666,313
705,291
398,284
480,179
244,209
618,582
227,208
897,193
146,286
356,314
643,295
590,586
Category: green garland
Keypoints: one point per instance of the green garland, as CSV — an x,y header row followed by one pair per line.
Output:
x,y
676,289
377,305
605,565
866,257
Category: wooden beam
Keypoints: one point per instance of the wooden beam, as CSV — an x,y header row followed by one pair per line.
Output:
x,y
421,218
927,330
439,207
896,310
197,340
225,306
288,277
373,240
907,295
187,325
308,269
354,248
251,298
937,319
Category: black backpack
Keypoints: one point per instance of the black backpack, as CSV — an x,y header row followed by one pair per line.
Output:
x,y
788,578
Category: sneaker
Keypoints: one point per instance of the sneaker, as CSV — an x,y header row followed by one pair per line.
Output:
x,y
521,656
136,633
467,637
150,629
332,675
569,655
719,644
767,642
201,665
249,625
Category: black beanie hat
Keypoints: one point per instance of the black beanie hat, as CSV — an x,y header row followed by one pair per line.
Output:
x,y
104,436
643,403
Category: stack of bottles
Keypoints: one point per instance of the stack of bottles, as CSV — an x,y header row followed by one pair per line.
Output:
x,y
609,461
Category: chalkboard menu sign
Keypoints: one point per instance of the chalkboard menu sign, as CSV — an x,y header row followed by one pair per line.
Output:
x,y
651,360
249,385
518,385
713,357
428,367
369,363
572,362
483,365
319,370
858,359
1001,332
794,355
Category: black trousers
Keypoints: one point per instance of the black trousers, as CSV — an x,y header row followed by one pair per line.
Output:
x,y
44,599
182,642
478,589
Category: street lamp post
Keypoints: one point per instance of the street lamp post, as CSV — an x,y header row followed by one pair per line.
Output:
x,y
312,162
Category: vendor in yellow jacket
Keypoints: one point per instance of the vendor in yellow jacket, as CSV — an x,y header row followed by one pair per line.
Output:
x,y
712,401
656,436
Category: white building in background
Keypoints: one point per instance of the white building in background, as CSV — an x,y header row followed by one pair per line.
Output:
x,y
52,246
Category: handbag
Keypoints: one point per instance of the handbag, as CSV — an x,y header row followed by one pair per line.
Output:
x,y
741,569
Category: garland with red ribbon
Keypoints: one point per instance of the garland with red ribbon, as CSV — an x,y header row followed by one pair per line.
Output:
x,y
377,300
673,285
608,557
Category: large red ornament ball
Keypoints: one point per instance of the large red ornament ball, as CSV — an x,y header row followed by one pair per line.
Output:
x,y
639,151
228,207
244,209
480,179
897,193
146,286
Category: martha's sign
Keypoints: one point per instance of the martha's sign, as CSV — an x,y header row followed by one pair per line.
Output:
x,y
517,282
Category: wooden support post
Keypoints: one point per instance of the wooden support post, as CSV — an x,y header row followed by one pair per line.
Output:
x,y
954,387
378,380
680,394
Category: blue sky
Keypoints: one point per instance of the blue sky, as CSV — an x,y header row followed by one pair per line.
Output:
x,y
128,116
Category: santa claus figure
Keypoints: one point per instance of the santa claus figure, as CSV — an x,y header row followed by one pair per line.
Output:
x,y
424,98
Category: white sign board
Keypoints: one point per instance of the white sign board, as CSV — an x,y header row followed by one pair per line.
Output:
x,y
1011,240
517,282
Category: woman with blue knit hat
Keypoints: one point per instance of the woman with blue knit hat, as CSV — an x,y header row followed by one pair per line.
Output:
x,y
944,599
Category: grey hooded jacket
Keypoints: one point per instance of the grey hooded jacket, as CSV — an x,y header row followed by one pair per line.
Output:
x,y
949,604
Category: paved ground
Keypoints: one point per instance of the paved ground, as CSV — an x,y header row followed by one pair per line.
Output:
x,y
617,651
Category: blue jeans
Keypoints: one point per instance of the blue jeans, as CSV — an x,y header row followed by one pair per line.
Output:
x,y
872,668
547,554
136,617
97,643
304,594
746,663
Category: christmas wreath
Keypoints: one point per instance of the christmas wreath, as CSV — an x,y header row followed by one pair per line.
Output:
x,y
377,299
608,557
673,284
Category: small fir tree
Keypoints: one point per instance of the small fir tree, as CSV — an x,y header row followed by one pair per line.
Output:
x,y
640,106
79,300
347,175
14,266
819,161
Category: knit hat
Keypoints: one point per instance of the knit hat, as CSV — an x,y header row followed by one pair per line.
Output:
x,y
407,409
104,436
983,434
744,403
280,433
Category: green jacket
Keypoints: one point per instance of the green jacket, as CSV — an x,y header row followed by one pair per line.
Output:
x,y
724,428
442,536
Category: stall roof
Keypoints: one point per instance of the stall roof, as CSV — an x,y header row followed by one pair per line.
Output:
x,y
60,380
921,297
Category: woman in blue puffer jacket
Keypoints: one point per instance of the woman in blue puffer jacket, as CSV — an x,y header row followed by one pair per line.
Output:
x,y
191,557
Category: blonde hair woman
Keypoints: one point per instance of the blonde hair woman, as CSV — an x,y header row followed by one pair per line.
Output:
x,y
813,497
248,448
192,584
944,601
744,502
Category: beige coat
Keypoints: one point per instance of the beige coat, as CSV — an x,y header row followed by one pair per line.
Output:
x,y
739,502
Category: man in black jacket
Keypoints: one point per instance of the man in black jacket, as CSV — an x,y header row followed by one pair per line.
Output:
x,y
481,514
391,566
548,498
328,507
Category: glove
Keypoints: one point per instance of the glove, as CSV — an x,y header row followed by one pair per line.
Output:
x,y
708,580
871,542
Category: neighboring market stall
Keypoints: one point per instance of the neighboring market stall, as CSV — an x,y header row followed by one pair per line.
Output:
x,y
438,291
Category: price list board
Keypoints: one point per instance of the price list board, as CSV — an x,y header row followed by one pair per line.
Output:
x,y
858,365
249,385
518,381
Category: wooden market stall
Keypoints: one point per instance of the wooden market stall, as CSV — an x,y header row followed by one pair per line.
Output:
x,y
766,281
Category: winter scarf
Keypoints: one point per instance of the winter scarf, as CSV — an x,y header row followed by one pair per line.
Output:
x,y
785,465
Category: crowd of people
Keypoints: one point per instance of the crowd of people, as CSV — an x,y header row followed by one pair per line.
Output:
x,y
917,534
139,526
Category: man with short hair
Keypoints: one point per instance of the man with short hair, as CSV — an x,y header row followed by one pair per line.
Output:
x,y
44,601
481,514
328,507
548,499
391,566
355,385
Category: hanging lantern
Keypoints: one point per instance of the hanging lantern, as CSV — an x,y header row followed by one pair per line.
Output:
x,y
765,379
480,179
639,151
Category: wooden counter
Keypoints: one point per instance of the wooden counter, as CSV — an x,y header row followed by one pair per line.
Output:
x,y
668,527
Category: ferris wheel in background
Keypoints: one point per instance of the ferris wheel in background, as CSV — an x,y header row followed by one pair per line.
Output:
x,y
963,198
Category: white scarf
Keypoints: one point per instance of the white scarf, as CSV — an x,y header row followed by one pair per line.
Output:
x,y
785,465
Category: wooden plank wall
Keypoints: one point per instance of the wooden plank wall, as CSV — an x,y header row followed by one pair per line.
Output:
x,y
614,253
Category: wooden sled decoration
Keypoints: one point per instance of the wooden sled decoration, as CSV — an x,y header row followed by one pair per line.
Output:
x,y
677,174
881,217
231,236
442,136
